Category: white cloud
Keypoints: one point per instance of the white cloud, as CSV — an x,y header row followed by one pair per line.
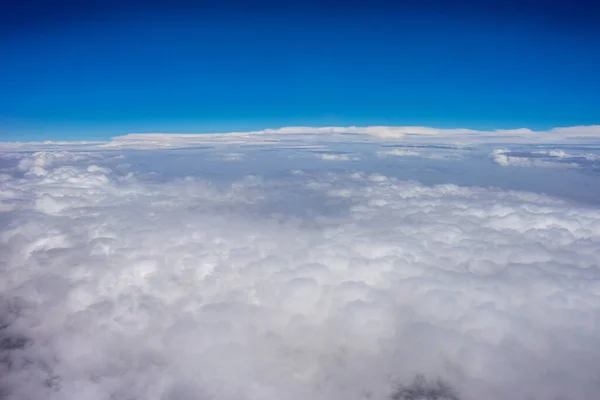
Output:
x,y
414,134
287,283
502,157
307,136
391,132
578,131
39,161
541,158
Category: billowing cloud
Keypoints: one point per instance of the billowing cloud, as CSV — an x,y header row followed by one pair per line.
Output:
x,y
174,275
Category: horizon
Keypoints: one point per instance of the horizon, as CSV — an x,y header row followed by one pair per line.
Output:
x,y
395,132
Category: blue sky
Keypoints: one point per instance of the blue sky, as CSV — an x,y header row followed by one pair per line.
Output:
x,y
91,70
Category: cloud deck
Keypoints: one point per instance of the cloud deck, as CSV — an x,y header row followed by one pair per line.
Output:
x,y
191,275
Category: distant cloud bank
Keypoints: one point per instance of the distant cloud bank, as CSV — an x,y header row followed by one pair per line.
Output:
x,y
350,133
413,133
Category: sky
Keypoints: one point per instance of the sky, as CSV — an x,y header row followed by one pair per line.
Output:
x,y
276,200
96,69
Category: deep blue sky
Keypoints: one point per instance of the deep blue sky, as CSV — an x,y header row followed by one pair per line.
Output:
x,y
95,69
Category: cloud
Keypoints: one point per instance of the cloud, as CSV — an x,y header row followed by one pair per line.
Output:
x,y
542,158
38,163
138,275
353,133
309,136
561,154
504,158
376,131
578,131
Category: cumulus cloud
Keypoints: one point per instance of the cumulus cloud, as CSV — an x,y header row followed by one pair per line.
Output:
x,y
231,156
505,158
119,282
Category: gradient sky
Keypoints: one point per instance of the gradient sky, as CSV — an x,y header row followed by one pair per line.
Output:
x,y
95,69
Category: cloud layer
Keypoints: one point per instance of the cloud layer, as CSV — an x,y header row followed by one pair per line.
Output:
x,y
127,275
575,134
411,133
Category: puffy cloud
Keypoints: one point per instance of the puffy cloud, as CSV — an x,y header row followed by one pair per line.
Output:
x,y
504,158
37,164
315,283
